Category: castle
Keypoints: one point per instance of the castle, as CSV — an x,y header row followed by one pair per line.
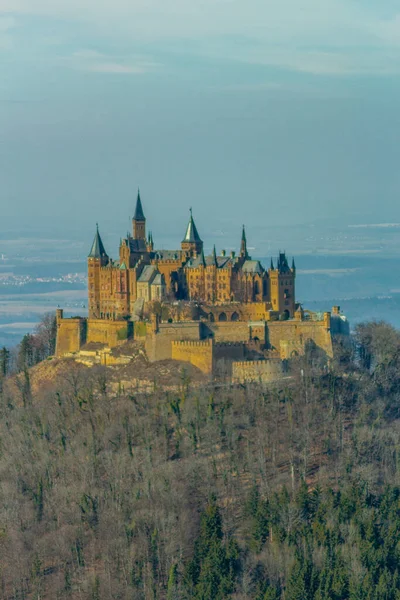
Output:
x,y
143,273
182,305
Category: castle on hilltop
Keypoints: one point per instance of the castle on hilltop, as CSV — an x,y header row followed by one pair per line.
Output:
x,y
146,274
221,313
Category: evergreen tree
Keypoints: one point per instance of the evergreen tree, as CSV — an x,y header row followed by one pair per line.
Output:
x,y
25,352
212,572
4,361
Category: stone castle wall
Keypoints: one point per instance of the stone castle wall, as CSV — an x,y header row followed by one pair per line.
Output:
x,y
199,354
206,344
258,370
158,344
71,335
110,333
290,336
227,332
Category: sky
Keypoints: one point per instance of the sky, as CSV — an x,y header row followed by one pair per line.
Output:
x,y
250,111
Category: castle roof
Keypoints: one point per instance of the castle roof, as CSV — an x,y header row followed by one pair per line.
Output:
x,y
137,245
148,274
139,214
97,250
191,235
167,254
220,262
158,279
252,266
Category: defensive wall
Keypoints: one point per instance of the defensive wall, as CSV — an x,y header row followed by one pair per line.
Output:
x,y
73,333
290,337
199,354
258,370
210,345
159,338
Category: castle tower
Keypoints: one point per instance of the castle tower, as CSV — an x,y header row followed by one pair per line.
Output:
x,y
97,258
191,243
243,245
139,221
282,286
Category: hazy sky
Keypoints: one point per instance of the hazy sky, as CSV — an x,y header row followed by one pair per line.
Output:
x,y
250,111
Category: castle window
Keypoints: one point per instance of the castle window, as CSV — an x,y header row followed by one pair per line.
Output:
x,y
222,317
235,316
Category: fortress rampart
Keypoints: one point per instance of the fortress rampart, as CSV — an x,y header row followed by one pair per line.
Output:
x,y
231,347
258,370
199,354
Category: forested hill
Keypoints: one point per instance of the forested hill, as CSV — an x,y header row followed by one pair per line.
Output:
x,y
243,493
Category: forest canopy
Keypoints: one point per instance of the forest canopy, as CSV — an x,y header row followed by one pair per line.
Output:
x,y
249,492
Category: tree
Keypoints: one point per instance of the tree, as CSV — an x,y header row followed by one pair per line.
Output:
x,y
25,352
4,362
212,571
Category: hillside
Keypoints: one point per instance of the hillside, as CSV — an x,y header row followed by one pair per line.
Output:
x,y
246,492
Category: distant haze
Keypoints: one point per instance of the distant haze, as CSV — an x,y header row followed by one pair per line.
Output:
x,y
254,112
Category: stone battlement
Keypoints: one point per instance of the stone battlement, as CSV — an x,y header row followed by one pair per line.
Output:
x,y
258,370
229,344
191,344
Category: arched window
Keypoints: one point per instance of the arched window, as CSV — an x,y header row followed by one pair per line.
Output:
x,y
235,316
256,287
265,290
211,317
222,317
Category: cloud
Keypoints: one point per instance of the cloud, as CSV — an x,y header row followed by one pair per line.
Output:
x,y
96,62
7,24
315,36
116,68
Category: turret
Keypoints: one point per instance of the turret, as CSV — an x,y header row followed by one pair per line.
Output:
x,y
139,221
97,250
191,243
282,286
97,258
150,243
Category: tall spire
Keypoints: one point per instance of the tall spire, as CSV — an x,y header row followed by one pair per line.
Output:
x,y
214,255
97,250
293,265
202,258
139,222
243,244
139,214
272,265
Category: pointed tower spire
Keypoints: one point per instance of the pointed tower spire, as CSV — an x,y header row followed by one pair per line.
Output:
x,y
150,242
192,242
214,255
243,244
202,258
139,220
293,265
272,265
139,214
97,250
